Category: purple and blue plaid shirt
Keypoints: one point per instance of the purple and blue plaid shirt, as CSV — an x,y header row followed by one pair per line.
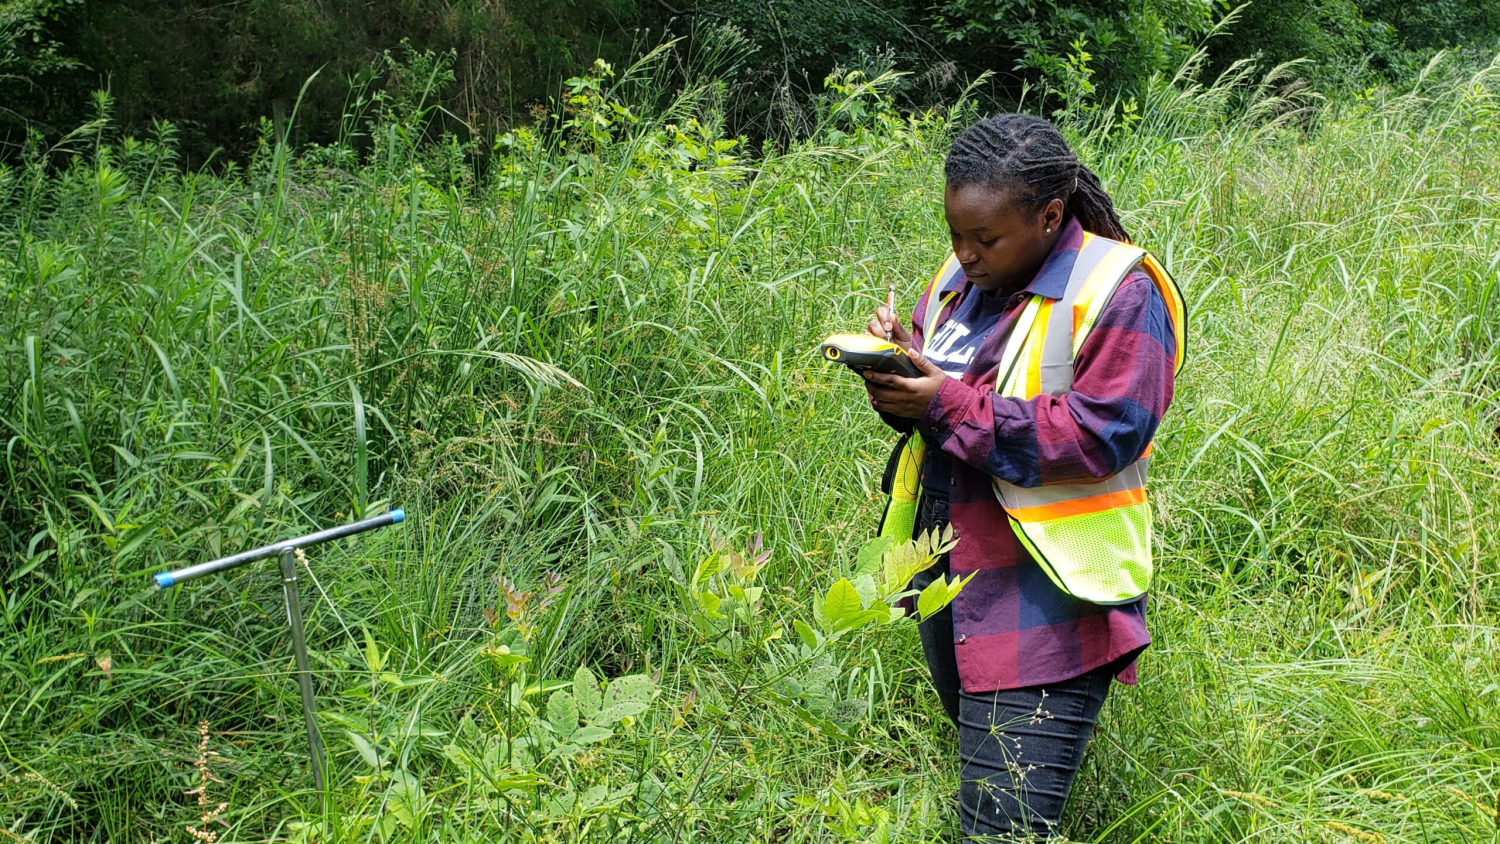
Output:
x,y
1012,626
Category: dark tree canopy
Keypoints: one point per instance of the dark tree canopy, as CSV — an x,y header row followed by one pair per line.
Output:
x,y
215,69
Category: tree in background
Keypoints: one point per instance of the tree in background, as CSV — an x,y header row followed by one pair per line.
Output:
x,y
29,53
797,43
215,69
1391,39
1127,42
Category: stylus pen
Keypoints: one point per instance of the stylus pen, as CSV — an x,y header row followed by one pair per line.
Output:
x,y
890,306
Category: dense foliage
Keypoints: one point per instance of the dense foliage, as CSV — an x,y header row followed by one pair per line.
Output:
x,y
631,602
215,69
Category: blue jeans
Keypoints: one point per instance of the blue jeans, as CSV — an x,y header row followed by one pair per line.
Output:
x,y
1019,749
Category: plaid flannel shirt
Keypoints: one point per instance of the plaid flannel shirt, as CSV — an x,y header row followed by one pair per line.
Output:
x,y
1012,626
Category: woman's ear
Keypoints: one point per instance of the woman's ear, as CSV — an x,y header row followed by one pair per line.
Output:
x,y
1052,216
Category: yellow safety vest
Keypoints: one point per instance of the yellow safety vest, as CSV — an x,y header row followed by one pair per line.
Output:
x,y
1092,539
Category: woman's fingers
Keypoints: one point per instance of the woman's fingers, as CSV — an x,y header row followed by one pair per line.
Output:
x,y
896,400
900,336
888,392
904,396
927,366
886,325
880,324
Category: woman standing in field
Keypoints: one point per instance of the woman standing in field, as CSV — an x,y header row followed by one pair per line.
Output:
x,y
1049,348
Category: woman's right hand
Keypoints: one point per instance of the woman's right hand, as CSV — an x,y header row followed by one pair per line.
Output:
x,y
887,322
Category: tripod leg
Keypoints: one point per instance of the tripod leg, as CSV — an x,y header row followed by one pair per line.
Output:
x,y
304,672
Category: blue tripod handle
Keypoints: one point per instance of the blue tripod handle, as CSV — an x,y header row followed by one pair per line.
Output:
x,y
168,579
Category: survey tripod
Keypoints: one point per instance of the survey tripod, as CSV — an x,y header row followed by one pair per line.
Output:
x,y
286,552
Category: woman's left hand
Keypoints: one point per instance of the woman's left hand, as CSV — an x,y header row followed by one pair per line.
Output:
x,y
900,396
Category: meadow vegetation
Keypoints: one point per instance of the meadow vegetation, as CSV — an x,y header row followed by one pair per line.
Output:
x,y
587,373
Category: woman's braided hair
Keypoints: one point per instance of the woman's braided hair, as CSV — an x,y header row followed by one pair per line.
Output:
x,y
1027,155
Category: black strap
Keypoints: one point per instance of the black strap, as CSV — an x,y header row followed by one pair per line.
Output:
x,y
892,463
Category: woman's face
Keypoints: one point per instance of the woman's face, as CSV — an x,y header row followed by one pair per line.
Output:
x,y
999,243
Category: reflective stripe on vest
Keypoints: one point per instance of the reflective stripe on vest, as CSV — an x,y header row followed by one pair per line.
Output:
x,y
1093,540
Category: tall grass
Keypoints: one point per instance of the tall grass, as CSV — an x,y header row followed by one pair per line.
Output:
x,y
596,360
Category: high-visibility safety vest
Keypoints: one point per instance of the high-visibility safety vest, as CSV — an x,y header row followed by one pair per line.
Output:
x,y
1092,539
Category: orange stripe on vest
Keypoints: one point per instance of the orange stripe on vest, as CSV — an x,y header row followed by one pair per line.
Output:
x,y
1080,506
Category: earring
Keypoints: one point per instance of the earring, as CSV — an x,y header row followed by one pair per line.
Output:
x,y
1049,231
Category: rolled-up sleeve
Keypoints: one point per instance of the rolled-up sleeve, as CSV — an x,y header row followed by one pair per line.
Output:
x,y
1122,385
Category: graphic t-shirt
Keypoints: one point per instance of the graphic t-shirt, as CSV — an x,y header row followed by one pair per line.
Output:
x,y
952,347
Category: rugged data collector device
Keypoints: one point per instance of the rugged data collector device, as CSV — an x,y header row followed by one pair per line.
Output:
x,y
861,352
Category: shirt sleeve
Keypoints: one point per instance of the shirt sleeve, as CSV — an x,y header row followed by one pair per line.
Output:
x,y
1122,384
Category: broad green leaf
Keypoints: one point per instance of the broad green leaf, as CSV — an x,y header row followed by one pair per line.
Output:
x,y
562,713
521,779
637,688
940,593
901,564
366,750
591,734
711,626
523,752
955,586
868,560
502,656
855,621
841,601
468,730
822,726
593,797
137,537
626,697
711,565
374,659
562,803
618,712
891,572
922,543
494,753
586,692
933,598
97,510
865,586
808,636
350,720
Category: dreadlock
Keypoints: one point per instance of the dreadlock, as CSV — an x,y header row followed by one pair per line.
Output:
x,y
1026,154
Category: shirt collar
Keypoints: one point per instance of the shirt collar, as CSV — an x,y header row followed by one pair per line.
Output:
x,y
1051,280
